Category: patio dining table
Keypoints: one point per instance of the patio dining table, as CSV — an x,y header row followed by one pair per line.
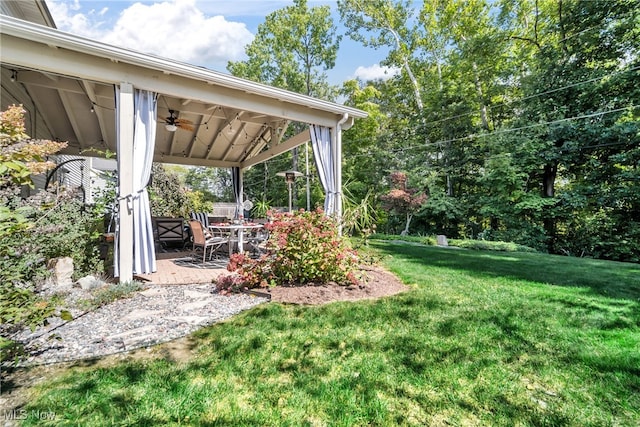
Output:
x,y
236,232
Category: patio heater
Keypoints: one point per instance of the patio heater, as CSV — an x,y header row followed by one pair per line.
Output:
x,y
289,178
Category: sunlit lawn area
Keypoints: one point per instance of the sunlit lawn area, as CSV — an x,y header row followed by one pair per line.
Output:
x,y
483,338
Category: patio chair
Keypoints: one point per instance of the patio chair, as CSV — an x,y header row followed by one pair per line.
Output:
x,y
202,217
170,231
202,238
257,241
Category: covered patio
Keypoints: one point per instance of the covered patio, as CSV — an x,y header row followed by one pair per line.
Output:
x,y
90,94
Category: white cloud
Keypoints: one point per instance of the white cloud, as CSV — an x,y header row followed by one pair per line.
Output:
x,y
175,29
376,72
69,20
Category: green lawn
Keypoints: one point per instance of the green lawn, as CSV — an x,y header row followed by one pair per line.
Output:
x,y
483,338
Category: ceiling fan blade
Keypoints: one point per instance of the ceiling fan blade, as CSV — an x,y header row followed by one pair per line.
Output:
x,y
183,125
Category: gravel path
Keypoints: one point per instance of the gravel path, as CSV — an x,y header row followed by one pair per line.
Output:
x,y
155,315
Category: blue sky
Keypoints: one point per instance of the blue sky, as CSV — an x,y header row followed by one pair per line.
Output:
x,y
200,32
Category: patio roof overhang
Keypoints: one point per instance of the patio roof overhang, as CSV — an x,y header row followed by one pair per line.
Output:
x,y
66,83
68,86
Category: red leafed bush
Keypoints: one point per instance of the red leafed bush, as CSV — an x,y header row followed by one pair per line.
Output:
x,y
303,248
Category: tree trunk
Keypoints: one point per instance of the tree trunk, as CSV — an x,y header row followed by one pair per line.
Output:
x,y
483,107
548,191
549,179
294,166
406,226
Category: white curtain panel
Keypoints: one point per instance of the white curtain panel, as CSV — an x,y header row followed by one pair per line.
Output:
x,y
323,155
144,140
235,179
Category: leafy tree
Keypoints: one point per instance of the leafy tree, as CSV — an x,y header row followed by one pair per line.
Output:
x,y
583,64
365,163
167,195
388,24
214,184
292,50
403,200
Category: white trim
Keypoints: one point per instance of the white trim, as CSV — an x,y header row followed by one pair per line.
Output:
x,y
125,180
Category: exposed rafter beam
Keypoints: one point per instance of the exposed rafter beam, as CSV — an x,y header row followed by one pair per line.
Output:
x,y
89,88
233,141
181,160
68,107
274,151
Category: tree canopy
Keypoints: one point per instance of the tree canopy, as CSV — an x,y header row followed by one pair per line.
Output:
x,y
518,119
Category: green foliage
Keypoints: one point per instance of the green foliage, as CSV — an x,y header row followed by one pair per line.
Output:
x,y
303,248
197,202
291,50
528,132
359,217
212,184
60,227
36,229
423,240
486,245
402,200
21,307
21,156
9,350
261,208
111,293
167,196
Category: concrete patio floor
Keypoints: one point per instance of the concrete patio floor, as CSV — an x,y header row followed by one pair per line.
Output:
x,y
184,268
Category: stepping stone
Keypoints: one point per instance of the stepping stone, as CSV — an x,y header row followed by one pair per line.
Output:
x,y
193,320
158,303
154,292
196,295
144,330
197,304
142,314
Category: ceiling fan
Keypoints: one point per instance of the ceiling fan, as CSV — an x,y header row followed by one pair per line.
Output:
x,y
172,123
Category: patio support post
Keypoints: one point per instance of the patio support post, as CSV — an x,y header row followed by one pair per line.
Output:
x,y
337,158
241,199
125,182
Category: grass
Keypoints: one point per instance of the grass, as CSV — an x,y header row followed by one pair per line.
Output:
x,y
498,339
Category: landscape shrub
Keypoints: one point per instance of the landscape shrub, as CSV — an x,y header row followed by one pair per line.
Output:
x,y
486,245
33,230
304,247
110,293
424,240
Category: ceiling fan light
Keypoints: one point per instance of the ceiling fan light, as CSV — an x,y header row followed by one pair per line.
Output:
x,y
170,127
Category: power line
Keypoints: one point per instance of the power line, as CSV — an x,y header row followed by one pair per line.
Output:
x,y
550,91
472,136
